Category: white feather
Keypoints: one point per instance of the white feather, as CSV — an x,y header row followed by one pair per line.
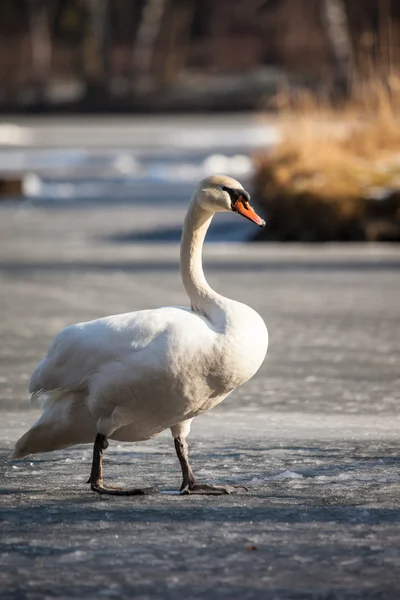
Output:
x,y
131,376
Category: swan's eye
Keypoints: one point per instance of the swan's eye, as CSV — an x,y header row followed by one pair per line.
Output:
x,y
237,194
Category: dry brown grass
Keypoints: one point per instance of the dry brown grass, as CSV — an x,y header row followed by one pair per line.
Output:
x,y
319,181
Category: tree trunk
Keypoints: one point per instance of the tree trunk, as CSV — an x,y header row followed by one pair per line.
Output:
x,y
40,41
149,29
96,41
336,26
177,39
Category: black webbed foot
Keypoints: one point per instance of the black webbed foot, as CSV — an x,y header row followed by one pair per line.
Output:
x,y
211,489
100,488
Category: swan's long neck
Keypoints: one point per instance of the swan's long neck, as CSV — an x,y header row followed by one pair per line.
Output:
x,y
203,298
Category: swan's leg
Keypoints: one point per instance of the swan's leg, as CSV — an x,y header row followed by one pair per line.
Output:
x,y
181,448
189,485
96,474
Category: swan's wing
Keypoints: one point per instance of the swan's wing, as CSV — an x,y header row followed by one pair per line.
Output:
x,y
80,351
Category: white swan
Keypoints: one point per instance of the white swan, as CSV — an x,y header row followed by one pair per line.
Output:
x,y
128,377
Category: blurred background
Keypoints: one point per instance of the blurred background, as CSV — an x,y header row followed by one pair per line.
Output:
x,y
152,55
106,99
111,111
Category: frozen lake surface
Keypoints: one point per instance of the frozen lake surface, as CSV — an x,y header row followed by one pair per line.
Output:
x,y
314,436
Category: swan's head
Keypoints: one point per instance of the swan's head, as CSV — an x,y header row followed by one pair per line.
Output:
x,y
220,193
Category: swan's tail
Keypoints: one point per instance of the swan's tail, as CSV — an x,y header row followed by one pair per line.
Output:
x,y
65,421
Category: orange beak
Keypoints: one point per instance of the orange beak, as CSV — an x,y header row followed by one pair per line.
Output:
x,y
244,209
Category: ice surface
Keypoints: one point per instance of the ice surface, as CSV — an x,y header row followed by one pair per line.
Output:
x,y
314,436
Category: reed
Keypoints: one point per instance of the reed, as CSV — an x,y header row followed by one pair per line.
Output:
x,y
335,175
